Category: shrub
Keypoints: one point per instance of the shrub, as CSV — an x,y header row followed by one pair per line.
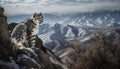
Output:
x,y
102,53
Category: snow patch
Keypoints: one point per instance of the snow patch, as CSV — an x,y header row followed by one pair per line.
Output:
x,y
70,33
98,20
85,39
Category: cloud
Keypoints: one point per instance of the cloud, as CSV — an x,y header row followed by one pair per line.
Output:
x,y
16,7
55,1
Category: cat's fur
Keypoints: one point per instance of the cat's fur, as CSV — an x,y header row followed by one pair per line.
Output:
x,y
24,34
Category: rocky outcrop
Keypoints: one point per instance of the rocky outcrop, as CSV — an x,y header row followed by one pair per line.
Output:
x,y
3,28
11,26
25,58
5,46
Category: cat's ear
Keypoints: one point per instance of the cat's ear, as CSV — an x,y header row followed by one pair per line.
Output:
x,y
40,13
34,14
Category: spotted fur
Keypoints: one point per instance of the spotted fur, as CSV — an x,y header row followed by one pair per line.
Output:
x,y
24,34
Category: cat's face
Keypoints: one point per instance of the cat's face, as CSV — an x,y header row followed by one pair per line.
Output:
x,y
37,18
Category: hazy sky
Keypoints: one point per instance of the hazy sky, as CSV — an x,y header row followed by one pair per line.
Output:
x,y
15,7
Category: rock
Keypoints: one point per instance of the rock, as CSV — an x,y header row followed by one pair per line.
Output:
x,y
4,34
3,52
11,26
39,43
3,66
29,63
5,44
45,60
25,58
1,11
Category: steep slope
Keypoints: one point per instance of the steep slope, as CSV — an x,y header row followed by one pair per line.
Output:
x,y
76,25
13,57
57,27
57,34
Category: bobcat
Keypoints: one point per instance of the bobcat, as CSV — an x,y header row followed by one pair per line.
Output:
x,y
24,33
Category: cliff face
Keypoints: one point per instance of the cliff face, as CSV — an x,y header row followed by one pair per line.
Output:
x,y
4,35
3,26
27,58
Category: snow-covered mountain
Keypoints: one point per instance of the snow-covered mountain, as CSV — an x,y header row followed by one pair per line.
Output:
x,y
75,25
57,34
97,18
56,28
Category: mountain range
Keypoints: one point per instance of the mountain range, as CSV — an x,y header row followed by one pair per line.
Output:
x,y
57,28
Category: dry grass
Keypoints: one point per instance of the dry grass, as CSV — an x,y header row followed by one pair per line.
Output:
x,y
103,53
